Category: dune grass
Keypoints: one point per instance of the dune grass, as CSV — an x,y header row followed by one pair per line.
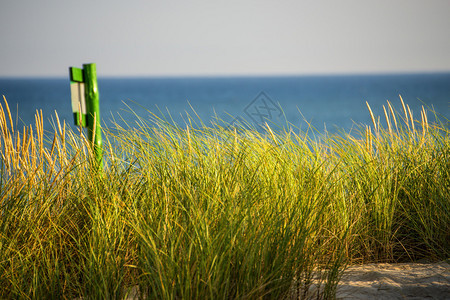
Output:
x,y
205,212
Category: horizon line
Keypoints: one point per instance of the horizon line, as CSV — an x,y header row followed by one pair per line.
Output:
x,y
237,75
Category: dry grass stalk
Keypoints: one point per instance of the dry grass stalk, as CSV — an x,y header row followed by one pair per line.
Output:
x,y
372,117
404,111
412,120
369,145
387,121
393,115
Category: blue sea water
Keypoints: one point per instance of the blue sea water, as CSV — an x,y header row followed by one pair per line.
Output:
x,y
329,103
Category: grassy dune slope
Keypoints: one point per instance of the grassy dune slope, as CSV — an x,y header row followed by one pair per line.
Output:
x,y
208,213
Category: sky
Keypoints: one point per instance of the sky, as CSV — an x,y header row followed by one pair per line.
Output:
x,y
224,38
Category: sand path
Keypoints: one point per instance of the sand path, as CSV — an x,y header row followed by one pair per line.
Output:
x,y
387,281
396,281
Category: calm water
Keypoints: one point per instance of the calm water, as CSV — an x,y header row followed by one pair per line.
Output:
x,y
329,102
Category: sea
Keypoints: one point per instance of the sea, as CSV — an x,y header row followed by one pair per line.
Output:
x,y
319,103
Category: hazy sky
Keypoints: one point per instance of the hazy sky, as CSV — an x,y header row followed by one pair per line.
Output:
x,y
45,37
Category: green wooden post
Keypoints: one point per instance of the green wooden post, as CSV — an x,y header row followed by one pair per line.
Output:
x,y
93,110
86,105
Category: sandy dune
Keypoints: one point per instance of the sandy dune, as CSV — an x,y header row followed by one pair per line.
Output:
x,y
396,281
386,281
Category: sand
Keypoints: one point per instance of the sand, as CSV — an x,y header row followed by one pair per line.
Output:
x,y
396,281
387,281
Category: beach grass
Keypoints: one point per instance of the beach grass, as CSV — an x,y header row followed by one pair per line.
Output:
x,y
216,212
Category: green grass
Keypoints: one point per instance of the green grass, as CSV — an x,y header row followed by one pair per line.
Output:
x,y
202,212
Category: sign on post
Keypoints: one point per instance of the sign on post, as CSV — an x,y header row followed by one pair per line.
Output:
x,y
77,93
86,105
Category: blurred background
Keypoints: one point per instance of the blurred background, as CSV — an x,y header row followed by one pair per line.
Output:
x,y
316,61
